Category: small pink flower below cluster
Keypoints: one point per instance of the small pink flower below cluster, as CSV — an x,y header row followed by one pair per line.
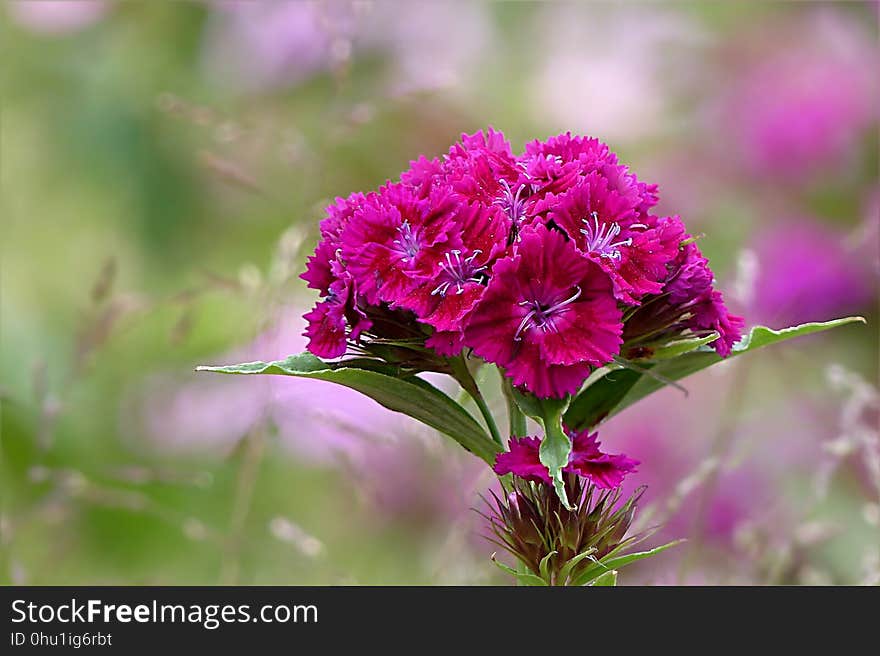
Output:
x,y
604,470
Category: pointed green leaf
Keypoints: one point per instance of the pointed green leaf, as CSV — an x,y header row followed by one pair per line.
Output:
x,y
554,454
601,399
566,570
537,408
616,562
606,579
528,579
621,561
410,395
525,578
555,445
619,389
544,566
682,346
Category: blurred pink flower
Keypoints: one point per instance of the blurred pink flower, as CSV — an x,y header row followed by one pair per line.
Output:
x,y
418,482
605,71
430,44
743,493
868,233
255,45
277,43
803,101
807,272
317,421
738,484
54,17
401,468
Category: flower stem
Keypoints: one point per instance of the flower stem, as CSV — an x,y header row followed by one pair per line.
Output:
x,y
487,416
462,374
515,416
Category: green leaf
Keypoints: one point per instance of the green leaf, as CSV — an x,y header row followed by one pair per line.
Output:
x,y
566,570
618,389
554,454
682,346
410,395
525,578
537,408
544,566
616,562
556,445
621,561
606,579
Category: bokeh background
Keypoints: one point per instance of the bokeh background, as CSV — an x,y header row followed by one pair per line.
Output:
x,y
164,167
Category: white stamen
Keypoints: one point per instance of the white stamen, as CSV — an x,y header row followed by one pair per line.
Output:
x,y
544,316
600,239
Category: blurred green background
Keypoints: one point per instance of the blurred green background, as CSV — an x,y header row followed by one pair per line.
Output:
x,y
164,167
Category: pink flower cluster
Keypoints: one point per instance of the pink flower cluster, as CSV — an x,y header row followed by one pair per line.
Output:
x,y
531,262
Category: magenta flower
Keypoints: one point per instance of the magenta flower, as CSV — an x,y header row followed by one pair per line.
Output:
x,y
690,291
327,322
557,164
688,302
398,239
807,273
579,186
554,166
634,248
602,469
319,273
423,174
547,316
443,299
481,168
523,460
326,329
803,103
710,313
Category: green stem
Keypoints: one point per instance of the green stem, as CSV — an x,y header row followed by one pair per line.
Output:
x,y
462,374
487,416
515,417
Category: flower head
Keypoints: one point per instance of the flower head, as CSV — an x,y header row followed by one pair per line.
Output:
x,y
318,273
608,226
546,316
449,292
397,237
328,320
688,303
690,291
